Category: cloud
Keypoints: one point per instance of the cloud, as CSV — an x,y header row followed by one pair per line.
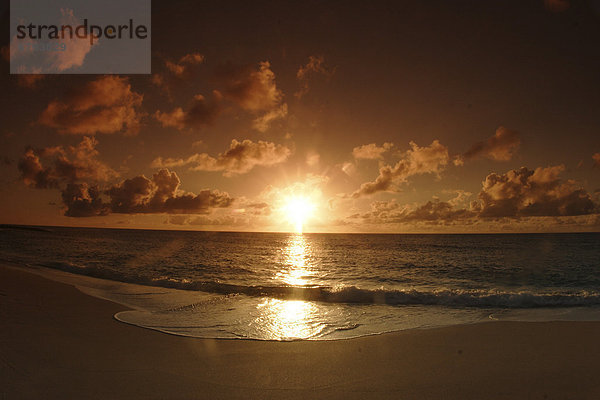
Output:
x,y
500,147
251,89
314,66
431,159
105,105
69,164
203,220
185,64
200,113
240,158
521,193
557,6
74,54
596,158
540,192
313,159
34,174
254,90
390,212
161,194
178,72
78,174
29,81
82,200
263,122
371,151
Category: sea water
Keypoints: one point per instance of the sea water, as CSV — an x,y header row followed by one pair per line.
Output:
x,y
280,286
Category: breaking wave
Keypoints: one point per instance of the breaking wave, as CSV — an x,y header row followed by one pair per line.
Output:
x,y
353,294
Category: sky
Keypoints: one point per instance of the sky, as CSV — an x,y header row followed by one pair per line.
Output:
x,y
399,116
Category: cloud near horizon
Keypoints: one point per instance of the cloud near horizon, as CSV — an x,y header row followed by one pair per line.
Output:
x,y
161,194
77,173
430,159
240,158
105,105
540,192
140,195
515,194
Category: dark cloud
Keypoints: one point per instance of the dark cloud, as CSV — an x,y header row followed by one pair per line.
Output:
x,y
417,160
314,66
161,194
516,194
67,164
177,73
77,173
29,81
435,211
82,200
254,90
200,113
240,158
540,192
34,174
105,105
500,147
557,6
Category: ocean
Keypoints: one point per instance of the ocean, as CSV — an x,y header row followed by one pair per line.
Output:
x,y
286,286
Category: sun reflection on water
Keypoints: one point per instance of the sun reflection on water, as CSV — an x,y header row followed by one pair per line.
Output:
x,y
288,319
291,319
296,271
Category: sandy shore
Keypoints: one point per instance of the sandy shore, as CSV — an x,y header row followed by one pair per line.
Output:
x,y
57,343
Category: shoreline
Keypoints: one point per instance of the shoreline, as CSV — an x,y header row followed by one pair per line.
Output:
x,y
58,342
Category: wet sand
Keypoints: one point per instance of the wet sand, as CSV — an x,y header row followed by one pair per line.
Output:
x,y
57,343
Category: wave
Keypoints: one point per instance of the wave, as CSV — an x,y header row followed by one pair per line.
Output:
x,y
356,295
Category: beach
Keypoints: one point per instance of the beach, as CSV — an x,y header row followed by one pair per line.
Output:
x,y
57,342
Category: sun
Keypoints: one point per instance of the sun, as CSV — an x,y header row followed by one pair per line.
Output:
x,y
298,210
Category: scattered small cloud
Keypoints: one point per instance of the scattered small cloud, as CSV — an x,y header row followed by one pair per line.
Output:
x,y
68,164
254,90
75,51
200,113
29,81
314,66
178,73
431,159
500,147
240,158
557,6
105,105
263,122
371,151
596,158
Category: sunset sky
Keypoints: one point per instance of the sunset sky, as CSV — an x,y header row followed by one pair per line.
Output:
x,y
437,116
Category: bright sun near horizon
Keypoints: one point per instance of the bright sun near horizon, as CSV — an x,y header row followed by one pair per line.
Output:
x,y
298,210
